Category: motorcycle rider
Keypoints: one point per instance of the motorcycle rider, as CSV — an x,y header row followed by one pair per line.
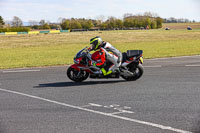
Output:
x,y
100,60
115,58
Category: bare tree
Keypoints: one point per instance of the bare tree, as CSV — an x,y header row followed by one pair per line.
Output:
x,y
150,14
60,19
100,18
42,22
16,22
63,20
33,22
48,22
126,15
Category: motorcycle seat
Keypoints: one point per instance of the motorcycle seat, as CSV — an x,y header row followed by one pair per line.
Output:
x,y
124,57
133,53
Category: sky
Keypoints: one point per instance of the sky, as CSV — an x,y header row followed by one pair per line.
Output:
x,y
52,10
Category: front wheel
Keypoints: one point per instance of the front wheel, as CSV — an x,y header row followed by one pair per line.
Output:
x,y
137,73
75,75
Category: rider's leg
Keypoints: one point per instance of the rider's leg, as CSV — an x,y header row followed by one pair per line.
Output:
x,y
114,59
105,72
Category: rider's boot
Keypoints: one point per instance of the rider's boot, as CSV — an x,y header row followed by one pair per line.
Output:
x,y
105,73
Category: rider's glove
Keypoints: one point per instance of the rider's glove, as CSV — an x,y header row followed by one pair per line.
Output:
x,y
89,49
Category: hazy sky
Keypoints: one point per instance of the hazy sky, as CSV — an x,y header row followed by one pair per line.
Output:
x,y
53,9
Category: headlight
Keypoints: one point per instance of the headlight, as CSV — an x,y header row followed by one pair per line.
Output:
x,y
76,61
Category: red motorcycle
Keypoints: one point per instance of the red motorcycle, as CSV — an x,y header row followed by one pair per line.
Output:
x,y
131,68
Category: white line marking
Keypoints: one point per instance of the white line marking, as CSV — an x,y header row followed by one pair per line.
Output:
x,y
192,65
84,106
186,56
19,71
122,111
174,57
115,113
126,107
154,66
116,105
126,111
101,113
93,104
111,106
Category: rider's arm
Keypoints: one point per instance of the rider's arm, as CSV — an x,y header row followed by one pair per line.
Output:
x,y
102,58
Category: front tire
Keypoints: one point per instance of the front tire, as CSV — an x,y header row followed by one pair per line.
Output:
x,y
76,76
137,73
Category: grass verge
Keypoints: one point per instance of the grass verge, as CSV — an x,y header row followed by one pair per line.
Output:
x,y
17,51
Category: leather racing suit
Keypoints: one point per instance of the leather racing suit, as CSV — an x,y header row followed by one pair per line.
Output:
x,y
115,57
100,58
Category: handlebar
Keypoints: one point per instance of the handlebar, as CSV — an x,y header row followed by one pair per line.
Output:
x,y
87,51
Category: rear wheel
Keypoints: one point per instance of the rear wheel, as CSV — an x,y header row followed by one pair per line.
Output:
x,y
75,75
137,73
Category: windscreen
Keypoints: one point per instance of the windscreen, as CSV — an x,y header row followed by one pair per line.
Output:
x,y
80,53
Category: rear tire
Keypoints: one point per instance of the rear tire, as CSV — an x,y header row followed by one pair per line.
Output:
x,y
73,75
138,72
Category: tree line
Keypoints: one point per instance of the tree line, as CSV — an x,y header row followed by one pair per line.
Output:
x,y
17,26
177,20
147,20
131,21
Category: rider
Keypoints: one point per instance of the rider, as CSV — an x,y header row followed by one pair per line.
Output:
x,y
97,43
100,60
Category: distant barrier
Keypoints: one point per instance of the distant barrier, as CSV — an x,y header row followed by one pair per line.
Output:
x,y
72,30
34,32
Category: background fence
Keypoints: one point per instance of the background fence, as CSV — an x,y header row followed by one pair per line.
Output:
x,y
34,32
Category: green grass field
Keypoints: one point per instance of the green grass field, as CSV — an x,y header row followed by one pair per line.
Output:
x,y
17,51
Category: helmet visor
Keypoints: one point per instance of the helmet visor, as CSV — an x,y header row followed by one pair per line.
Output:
x,y
95,43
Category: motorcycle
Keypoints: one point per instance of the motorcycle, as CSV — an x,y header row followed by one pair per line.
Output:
x,y
131,68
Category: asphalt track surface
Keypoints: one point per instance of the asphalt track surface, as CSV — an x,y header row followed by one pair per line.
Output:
x,y
43,100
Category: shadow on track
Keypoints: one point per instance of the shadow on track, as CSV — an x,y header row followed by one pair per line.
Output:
x,y
71,84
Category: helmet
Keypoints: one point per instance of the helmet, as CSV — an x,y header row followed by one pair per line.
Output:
x,y
95,42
